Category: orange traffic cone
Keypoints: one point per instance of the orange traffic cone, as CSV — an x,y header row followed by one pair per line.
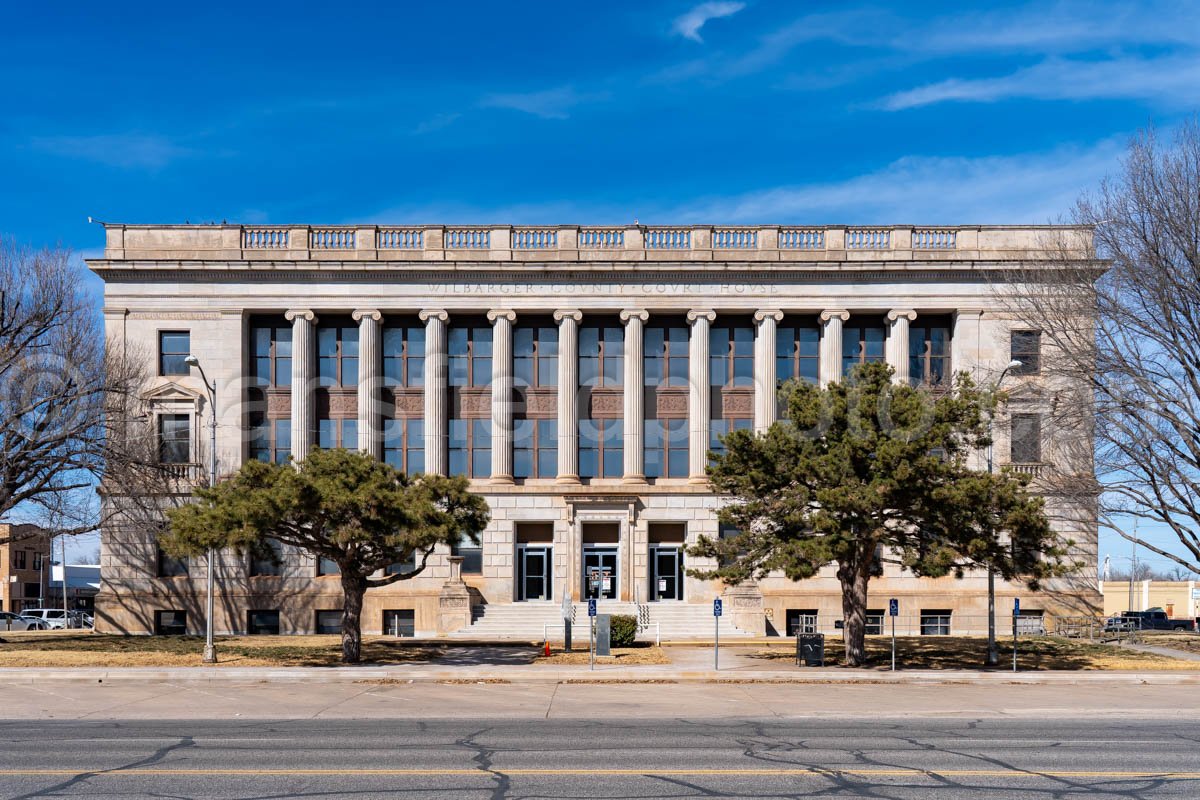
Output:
x,y
546,650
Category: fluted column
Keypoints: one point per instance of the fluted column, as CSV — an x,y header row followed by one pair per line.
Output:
x,y
502,389
304,323
831,345
698,394
766,381
435,390
568,394
897,343
370,382
635,456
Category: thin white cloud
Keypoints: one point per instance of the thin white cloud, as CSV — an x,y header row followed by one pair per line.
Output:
x,y
1029,188
688,25
1173,80
547,104
124,150
436,123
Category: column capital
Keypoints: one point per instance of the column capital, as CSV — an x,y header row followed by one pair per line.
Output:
x,y
359,315
559,316
502,313
433,313
634,313
831,313
706,314
299,313
759,316
897,313
969,312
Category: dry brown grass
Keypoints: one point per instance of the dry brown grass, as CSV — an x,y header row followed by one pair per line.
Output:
x,y
629,656
85,649
968,652
1188,642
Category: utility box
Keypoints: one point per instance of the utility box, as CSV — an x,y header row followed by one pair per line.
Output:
x,y
603,634
810,649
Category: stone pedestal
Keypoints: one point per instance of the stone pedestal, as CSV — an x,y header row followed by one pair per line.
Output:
x,y
454,601
744,605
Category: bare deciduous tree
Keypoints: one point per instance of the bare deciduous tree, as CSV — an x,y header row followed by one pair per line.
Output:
x,y
1125,329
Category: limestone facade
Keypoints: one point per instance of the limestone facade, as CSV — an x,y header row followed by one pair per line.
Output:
x,y
578,374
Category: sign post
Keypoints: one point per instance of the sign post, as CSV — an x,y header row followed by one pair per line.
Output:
x,y
1016,614
893,612
591,633
717,609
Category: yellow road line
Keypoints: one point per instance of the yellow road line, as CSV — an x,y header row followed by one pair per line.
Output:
x,y
802,772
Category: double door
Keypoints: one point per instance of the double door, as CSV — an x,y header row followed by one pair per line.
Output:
x,y
534,572
600,573
666,573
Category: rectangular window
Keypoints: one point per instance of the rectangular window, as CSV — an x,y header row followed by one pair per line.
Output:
x,y
262,623
333,433
472,555
404,444
174,438
798,351
327,566
170,623
1026,446
601,450
266,559
469,354
875,622
169,567
19,559
337,355
666,448
404,356
935,622
37,561
399,622
666,355
328,622
862,343
271,354
1026,347
535,355
801,620
720,428
601,355
470,447
731,356
535,448
33,590
173,348
271,440
929,352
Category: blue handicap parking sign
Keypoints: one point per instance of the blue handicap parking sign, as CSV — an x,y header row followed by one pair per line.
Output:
x,y
591,606
717,607
893,607
1016,606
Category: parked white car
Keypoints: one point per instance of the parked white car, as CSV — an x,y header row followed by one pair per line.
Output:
x,y
16,622
53,618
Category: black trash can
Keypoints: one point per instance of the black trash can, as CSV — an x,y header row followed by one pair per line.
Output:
x,y
810,649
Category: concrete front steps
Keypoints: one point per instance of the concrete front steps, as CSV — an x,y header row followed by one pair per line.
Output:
x,y
530,621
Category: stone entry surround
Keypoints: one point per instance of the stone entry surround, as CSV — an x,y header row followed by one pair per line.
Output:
x,y
212,280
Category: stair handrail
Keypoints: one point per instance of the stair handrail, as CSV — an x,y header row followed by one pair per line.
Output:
x,y
643,610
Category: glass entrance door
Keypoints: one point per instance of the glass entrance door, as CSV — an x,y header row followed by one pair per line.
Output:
x,y
666,579
600,572
533,573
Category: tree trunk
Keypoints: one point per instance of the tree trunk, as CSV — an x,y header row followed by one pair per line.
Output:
x,y
854,578
353,587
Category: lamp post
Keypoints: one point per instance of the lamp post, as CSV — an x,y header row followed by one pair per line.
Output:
x,y
210,652
993,652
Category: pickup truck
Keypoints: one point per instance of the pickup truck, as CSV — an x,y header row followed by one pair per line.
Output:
x,y
1157,620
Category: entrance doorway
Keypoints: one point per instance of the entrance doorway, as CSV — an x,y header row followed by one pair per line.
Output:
x,y
533,572
600,572
666,573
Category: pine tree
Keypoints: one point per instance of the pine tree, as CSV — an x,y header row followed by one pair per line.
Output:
x,y
866,471
344,506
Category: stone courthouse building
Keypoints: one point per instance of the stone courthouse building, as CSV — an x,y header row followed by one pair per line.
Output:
x,y
579,376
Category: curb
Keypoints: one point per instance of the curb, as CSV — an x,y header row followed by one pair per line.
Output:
x,y
549,675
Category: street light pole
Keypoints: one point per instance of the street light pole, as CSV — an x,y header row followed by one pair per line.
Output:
x,y
993,651
210,652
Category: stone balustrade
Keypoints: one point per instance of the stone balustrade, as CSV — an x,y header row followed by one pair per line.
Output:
x,y
692,243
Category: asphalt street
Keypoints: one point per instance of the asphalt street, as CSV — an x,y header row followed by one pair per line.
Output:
x,y
918,757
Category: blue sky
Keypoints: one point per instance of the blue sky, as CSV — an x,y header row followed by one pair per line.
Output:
x,y
755,111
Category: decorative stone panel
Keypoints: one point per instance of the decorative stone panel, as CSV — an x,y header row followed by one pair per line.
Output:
x,y
672,403
607,404
737,403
